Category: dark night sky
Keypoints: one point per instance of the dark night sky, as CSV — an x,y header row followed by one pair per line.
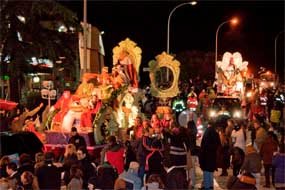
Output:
x,y
191,28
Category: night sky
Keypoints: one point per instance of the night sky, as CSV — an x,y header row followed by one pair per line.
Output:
x,y
191,27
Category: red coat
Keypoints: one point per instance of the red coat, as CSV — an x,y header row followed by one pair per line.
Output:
x,y
267,149
256,109
63,105
86,116
116,159
192,102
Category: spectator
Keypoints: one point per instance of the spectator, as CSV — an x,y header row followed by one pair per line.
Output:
x,y
25,163
75,178
76,139
28,182
85,165
234,183
142,149
5,160
106,176
260,134
154,159
155,123
238,136
120,184
13,175
137,129
40,160
131,176
178,149
252,163
130,155
275,116
278,162
207,158
223,155
266,152
229,129
237,159
114,154
70,158
175,176
154,182
5,120
194,149
49,176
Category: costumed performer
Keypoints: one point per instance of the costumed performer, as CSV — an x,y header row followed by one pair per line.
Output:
x,y
130,71
18,121
62,105
89,113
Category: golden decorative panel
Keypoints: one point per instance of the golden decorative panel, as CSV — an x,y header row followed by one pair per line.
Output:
x,y
133,50
164,70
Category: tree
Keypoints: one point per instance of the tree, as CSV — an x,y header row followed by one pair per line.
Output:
x,y
30,29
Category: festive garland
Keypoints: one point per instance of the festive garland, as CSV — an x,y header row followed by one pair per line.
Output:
x,y
49,118
108,103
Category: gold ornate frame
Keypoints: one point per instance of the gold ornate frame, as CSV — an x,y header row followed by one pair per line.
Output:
x,y
133,50
164,60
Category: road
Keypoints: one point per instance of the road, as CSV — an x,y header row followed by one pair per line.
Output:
x,y
221,181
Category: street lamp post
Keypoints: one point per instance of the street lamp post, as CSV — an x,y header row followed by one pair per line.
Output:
x,y
84,37
275,51
232,21
168,22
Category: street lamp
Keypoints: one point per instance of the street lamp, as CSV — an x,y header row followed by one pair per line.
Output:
x,y
84,37
168,22
233,21
275,51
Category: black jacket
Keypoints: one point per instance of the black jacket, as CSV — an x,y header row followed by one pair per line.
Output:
x,y
209,146
49,176
77,140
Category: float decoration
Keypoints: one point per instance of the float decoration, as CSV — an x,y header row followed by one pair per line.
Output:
x,y
128,55
158,76
231,74
103,103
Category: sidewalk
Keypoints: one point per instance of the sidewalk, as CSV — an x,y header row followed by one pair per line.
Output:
x,y
220,182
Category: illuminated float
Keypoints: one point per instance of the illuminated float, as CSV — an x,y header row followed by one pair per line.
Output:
x,y
231,74
164,73
103,103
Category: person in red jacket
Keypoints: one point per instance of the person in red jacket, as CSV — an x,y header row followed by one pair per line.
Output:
x,y
256,108
192,102
266,151
114,154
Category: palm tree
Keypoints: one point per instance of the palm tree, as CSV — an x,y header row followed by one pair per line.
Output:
x,y
30,29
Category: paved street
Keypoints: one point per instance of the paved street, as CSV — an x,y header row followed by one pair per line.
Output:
x,y
220,181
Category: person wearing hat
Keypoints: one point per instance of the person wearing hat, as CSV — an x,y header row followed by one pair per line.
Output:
x,y
76,139
131,176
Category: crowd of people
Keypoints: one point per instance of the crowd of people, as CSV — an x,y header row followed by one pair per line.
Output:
x,y
158,153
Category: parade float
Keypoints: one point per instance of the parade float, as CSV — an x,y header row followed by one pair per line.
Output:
x,y
164,75
104,104
267,80
231,75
